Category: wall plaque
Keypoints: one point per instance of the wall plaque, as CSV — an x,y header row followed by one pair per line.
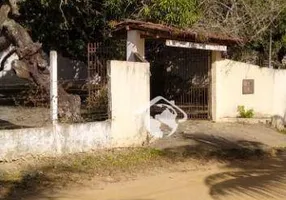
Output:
x,y
248,86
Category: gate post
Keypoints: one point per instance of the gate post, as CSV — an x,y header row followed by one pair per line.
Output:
x,y
216,56
54,86
129,88
135,44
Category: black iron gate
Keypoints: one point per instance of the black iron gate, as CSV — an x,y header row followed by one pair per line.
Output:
x,y
182,75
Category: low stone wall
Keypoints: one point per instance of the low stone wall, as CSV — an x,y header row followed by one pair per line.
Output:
x,y
54,140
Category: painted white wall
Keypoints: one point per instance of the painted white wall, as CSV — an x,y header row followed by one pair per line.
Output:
x,y
269,96
215,57
130,95
54,140
279,101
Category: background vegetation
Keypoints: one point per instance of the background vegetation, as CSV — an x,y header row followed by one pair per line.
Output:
x,y
68,25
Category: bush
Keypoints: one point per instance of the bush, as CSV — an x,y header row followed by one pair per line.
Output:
x,y
243,113
98,100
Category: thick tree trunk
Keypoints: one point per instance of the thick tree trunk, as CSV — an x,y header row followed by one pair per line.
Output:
x,y
32,64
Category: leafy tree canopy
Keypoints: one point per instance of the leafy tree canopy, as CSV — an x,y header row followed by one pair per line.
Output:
x,y
67,25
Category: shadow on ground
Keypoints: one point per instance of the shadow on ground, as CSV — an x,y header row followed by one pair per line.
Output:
x,y
32,185
252,170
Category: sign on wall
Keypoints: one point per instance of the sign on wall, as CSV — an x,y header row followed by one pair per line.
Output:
x,y
248,86
192,45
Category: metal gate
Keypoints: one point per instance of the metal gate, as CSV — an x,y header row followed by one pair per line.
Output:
x,y
99,53
182,75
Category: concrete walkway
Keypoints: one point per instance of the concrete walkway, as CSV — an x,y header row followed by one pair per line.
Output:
x,y
224,135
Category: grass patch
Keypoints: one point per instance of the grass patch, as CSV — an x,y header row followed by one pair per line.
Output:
x,y
60,172
106,162
282,131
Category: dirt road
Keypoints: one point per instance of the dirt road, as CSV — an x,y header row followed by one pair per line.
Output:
x,y
237,181
180,185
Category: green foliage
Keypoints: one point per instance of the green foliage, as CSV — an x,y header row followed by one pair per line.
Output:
x,y
66,29
243,113
174,12
122,9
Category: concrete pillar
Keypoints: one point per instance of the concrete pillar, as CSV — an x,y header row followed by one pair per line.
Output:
x,y
54,86
134,44
216,56
129,88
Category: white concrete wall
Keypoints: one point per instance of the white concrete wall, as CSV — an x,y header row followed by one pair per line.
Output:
x,y
279,100
130,89
269,96
54,140
215,57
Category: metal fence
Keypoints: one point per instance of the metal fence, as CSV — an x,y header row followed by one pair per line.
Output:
x,y
24,104
91,85
99,53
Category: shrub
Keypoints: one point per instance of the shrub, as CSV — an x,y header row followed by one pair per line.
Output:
x,y
98,100
243,113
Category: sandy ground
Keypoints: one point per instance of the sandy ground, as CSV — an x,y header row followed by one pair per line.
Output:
x,y
210,182
178,185
23,117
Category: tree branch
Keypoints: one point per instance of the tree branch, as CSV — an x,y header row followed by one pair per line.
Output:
x,y
14,7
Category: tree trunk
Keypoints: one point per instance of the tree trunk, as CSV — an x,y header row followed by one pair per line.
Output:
x,y
32,64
